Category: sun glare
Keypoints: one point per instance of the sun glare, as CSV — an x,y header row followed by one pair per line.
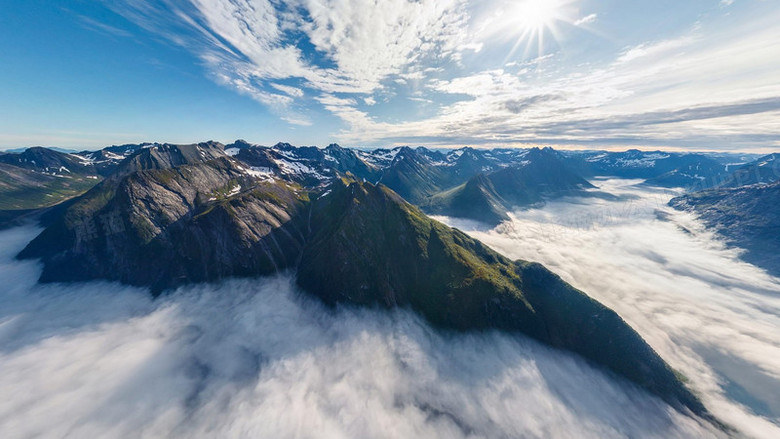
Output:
x,y
537,14
534,20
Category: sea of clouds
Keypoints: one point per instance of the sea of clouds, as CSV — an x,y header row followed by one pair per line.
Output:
x,y
258,358
712,316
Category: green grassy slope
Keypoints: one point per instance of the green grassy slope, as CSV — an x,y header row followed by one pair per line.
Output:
x,y
370,247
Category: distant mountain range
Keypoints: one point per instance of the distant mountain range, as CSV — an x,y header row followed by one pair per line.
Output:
x,y
470,183
692,171
38,178
763,170
744,208
53,148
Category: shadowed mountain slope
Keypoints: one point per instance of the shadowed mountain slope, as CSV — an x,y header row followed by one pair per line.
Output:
x,y
488,197
369,247
747,216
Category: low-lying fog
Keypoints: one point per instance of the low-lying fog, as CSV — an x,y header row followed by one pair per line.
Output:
x,y
710,315
256,358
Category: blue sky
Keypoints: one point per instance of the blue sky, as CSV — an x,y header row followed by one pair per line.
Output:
x,y
693,74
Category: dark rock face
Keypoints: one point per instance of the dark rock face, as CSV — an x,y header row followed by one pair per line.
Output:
x,y
544,176
747,216
478,199
308,166
107,159
413,176
162,227
168,156
346,161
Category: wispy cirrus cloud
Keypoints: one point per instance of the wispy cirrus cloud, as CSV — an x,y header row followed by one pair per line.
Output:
x,y
103,27
590,18
350,46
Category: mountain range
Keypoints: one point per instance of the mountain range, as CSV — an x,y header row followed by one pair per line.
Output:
x,y
472,183
763,170
353,226
167,215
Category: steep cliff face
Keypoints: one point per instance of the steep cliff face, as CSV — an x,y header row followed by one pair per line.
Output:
x,y
369,247
347,161
477,199
412,176
165,225
166,156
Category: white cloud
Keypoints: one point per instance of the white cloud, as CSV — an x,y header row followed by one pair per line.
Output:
x,y
710,315
255,358
364,48
292,91
296,119
588,19
661,48
243,42
370,42
621,101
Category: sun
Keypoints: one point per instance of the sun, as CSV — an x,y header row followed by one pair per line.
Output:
x,y
534,20
533,15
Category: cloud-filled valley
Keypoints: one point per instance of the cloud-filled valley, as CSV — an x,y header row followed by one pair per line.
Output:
x,y
710,315
258,358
